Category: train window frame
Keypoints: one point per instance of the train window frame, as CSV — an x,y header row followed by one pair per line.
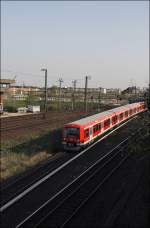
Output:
x,y
95,128
114,119
121,116
126,113
99,127
106,123
130,112
77,133
85,133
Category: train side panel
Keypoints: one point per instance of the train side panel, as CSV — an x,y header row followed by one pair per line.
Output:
x,y
91,130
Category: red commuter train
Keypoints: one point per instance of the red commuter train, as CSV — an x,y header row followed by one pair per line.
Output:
x,y
80,133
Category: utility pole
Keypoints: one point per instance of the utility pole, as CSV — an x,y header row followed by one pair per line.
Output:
x,y
85,92
45,100
136,96
148,99
74,82
60,82
99,98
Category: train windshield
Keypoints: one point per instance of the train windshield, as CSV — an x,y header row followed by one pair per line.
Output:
x,y
71,132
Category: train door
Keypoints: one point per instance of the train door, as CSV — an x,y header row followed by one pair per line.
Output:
x,y
91,131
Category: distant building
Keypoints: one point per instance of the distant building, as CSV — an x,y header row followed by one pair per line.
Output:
x,y
23,90
113,90
4,87
6,83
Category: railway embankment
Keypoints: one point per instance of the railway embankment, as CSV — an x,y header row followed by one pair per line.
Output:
x,y
28,141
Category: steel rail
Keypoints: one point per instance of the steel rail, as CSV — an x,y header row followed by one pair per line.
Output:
x,y
93,193
47,168
10,190
97,188
88,178
28,122
29,118
25,118
39,182
60,192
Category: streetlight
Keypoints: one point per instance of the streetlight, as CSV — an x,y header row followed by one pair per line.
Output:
x,y
45,102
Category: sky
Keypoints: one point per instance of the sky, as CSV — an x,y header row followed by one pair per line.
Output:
x,y
107,40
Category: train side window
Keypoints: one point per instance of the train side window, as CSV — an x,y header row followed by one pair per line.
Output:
x,y
134,110
86,133
130,111
114,119
126,114
121,116
99,127
106,123
95,128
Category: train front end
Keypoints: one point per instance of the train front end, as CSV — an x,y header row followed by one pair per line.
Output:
x,y
71,137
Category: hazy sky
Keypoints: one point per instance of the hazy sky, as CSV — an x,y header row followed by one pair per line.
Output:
x,y
108,40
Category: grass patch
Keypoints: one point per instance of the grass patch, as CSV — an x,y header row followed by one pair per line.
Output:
x,y
19,155
16,163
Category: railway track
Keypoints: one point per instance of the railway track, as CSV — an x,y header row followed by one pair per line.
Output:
x,y
51,179
11,127
14,186
73,197
59,210
11,123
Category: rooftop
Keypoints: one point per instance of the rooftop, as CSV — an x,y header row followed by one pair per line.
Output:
x,y
7,81
101,116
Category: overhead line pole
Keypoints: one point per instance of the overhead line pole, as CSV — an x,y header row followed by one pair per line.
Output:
x,y
74,88
45,92
99,98
60,82
85,93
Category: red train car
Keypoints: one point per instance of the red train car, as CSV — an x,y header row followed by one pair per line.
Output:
x,y
80,133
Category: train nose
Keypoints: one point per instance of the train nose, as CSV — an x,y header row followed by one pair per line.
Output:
x,y
72,140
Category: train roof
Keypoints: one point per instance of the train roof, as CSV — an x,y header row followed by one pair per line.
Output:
x,y
102,115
